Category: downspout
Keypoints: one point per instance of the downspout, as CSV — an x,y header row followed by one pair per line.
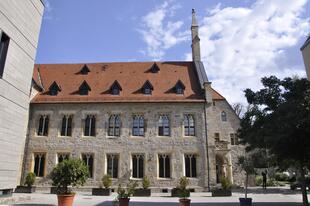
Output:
x,y
207,145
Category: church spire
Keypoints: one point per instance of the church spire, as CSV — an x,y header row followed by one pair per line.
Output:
x,y
195,38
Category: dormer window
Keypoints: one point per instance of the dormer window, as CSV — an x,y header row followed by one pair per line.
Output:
x,y
154,68
115,88
147,88
179,87
54,89
84,88
84,70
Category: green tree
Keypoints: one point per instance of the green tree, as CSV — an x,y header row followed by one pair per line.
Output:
x,y
278,120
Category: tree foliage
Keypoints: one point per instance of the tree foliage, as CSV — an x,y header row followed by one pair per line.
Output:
x,y
278,120
71,172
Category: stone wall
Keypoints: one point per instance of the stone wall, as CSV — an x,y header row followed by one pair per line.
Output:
x,y
150,145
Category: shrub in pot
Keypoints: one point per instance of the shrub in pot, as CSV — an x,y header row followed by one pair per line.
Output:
x,y
28,185
106,191
144,191
225,189
124,193
247,165
184,193
67,174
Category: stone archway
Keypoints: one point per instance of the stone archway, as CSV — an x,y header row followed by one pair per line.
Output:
x,y
223,168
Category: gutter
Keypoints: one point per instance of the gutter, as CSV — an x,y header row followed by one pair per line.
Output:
x,y
207,145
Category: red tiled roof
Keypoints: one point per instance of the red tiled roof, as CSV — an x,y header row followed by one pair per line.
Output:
x,y
130,75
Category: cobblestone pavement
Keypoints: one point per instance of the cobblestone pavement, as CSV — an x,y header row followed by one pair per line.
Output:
x,y
197,199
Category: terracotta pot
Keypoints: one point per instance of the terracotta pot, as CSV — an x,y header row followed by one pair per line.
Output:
x,y
185,202
124,202
65,200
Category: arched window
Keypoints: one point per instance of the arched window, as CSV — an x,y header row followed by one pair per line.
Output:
x,y
90,125
138,125
223,116
114,125
43,125
66,125
163,126
189,125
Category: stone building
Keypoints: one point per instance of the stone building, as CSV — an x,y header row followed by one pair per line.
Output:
x,y
162,120
20,23
305,50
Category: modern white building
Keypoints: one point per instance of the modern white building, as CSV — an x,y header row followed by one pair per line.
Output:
x,y
305,50
20,22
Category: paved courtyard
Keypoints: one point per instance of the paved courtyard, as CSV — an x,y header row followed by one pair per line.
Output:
x,y
160,199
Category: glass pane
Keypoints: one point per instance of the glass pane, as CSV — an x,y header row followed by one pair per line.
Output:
x,y
187,166
194,172
93,127
109,165
86,129
166,131
141,165
167,167
115,167
63,126
40,129
69,127
41,173
161,167
160,131
46,126
134,167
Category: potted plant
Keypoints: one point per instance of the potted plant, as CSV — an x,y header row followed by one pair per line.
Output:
x,y
106,191
144,191
247,165
124,194
184,193
28,185
224,190
67,174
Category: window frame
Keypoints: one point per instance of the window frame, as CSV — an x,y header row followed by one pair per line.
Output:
x,y
113,129
165,176
164,125
88,155
67,117
112,172
140,126
192,168
137,167
223,116
59,154
44,127
188,125
92,123
40,170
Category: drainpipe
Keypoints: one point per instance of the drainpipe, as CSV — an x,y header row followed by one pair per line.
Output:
x,y
207,145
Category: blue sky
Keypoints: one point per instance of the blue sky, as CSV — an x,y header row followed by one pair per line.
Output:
x,y
241,41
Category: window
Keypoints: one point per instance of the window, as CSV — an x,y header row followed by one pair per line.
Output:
x,y
90,126
88,160
223,116
138,125
62,156
154,68
54,89
163,126
43,125
147,88
164,165
84,70
137,165
4,45
84,88
66,125
114,125
234,139
217,137
190,165
39,164
179,87
189,125
115,88
112,165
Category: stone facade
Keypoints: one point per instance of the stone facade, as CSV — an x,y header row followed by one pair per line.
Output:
x,y
305,49
20,21
176,145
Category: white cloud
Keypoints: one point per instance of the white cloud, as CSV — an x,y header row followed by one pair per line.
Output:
x,y
160,34
241,45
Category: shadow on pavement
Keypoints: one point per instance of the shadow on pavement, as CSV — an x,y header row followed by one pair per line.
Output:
x,y
109,203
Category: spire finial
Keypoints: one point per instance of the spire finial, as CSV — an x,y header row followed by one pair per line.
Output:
x,y
194,21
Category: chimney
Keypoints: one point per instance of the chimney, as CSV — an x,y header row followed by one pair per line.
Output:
x,y
195,38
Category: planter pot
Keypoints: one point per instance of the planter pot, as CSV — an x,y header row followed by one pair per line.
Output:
x,y
25,189
101,191
245,201
185,202
65,200
142,192
175,192
124,202
221,193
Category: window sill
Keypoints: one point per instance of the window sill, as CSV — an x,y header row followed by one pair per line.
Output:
x,y
38,136
138,137
163,136
189,136
135,178
86,137
113,137
164,179
65,136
